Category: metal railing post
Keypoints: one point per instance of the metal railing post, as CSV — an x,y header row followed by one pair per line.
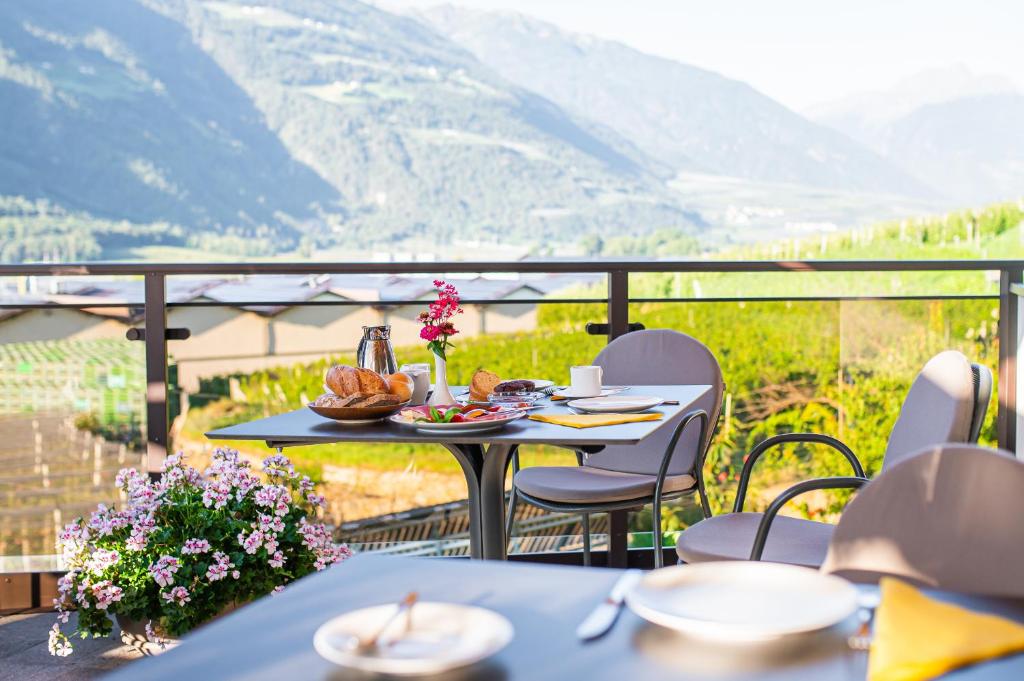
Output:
x,y
618,304
156,371
1009,341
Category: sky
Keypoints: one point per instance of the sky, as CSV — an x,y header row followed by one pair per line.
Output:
x,y
800,52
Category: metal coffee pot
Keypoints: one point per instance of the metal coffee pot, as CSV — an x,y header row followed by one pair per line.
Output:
x,y
375,351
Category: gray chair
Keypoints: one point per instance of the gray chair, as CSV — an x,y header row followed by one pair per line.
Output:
x,y
666,465
948,517
946,403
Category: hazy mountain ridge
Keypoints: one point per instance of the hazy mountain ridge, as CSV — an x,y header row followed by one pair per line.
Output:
x,y
688,117
955,130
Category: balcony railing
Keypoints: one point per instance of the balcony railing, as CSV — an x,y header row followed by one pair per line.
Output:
x,y
150,312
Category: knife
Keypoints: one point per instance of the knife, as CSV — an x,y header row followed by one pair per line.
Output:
x,y
602,619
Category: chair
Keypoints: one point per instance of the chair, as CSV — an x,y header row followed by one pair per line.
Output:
x,y
664,466
948,517
946,403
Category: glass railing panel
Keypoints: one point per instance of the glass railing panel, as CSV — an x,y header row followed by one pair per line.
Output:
x,y
72,411
248,361
839,367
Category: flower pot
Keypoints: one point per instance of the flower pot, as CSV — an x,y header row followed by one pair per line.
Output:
x,y
441,395
135,636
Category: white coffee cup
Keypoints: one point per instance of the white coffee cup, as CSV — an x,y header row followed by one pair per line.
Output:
x,y
420,375
585,381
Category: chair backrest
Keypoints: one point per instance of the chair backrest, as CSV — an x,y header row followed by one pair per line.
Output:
x,y
660,357
982,396
938,408
947,517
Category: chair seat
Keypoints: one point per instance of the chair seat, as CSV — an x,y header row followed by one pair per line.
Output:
x,y
588,485
731,537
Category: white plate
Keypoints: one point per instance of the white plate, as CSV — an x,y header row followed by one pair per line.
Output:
x,y
605,392
742,601
444,636
464,427
616,404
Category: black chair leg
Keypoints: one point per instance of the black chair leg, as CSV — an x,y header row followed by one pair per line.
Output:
x,y
586,540
512,498
659,556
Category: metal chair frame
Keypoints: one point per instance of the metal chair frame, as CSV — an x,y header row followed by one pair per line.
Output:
x,y
982,395
655,499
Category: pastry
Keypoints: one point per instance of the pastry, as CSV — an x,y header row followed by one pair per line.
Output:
x,y
400,385
345,380
482,385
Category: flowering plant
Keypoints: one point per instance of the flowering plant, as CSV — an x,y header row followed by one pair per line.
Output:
x,y
190,546
438,327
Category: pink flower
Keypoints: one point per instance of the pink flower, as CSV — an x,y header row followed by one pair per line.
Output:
x,y
163,570
277,560
102,559
430,333
178,595
195,546
106,593
219,569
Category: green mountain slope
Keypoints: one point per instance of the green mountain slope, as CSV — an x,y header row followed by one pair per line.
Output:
x,y
111,109
329,120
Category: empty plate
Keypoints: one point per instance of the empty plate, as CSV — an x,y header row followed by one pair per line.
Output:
x,y
615,404
741,601
568,394
442,636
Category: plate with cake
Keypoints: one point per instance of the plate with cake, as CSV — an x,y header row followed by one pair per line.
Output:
x,y
488,387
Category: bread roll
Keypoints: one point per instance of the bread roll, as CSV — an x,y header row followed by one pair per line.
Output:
x,y
482,384
400,385
345,380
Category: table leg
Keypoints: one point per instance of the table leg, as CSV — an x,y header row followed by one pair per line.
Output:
x,y
492,500
618,539
471,458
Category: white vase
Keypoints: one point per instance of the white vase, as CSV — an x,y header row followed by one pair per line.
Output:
x,y
442,395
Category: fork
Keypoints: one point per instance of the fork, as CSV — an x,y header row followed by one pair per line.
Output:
x,y
861,639
404,606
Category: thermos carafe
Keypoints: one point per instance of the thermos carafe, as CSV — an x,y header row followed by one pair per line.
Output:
x,y
375,351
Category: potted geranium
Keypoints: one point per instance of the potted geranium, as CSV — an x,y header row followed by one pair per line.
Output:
x,y
438,328
189,547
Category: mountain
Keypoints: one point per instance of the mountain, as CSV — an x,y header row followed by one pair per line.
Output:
x,y
689,118
111,109
957,131
324,118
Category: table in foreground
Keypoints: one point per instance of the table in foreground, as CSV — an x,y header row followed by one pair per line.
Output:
x,y
273,639
484,457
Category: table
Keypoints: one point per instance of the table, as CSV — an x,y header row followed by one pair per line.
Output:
x,y
484,457
272,638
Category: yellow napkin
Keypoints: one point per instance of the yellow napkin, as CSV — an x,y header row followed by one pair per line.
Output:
x,y
592,420
917,637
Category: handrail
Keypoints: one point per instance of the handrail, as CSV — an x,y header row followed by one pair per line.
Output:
x,y
518,266
155,304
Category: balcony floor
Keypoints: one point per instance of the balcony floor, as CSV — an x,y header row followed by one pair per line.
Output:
x,y
24,656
